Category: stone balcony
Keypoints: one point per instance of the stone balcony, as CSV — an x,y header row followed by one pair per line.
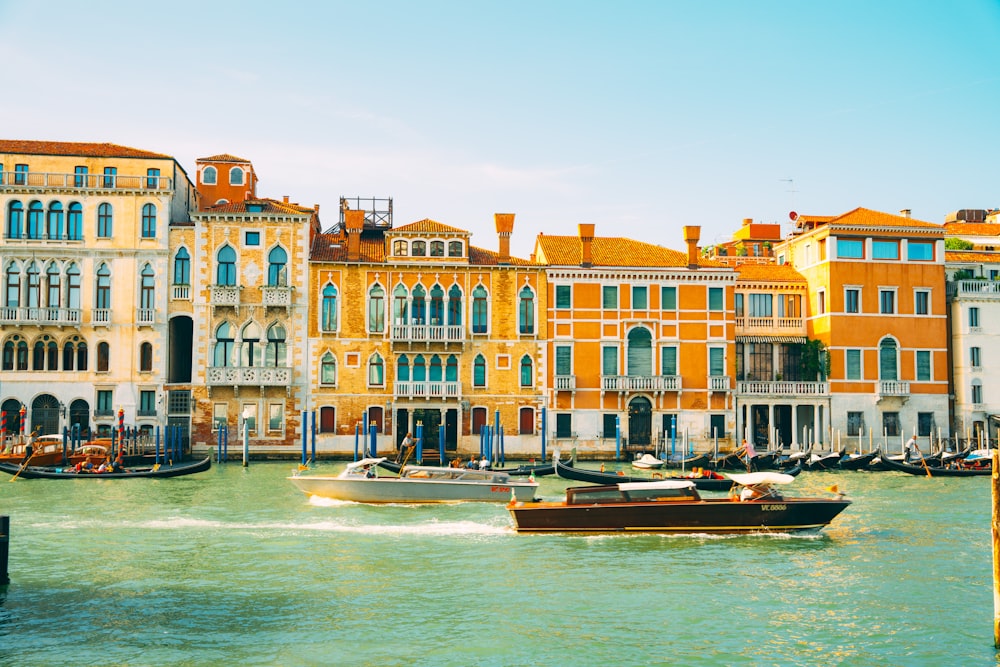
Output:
x,y
249,376
782,388
980,289
770,326
427,333
37,316
225,296
892,388
437,389
564,382
12,180
634,383
276,296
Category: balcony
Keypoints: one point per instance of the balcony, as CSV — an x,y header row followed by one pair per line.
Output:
x,y
892,388
59,317
49,180
225,296
779,388
145,317
428,390
101,317
275,296
988,289
427,333
718,383
770,326
565,382
249,376
632,383
180,292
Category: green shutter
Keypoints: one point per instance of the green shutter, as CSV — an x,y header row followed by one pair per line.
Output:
x,y
669,361
563,359
668,298
609,297
609,361
563,296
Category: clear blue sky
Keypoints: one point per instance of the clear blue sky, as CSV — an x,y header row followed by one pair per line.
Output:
x,y
640,117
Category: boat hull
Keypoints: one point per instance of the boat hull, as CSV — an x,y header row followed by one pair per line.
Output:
x,y
713,516
175,470
403,490
596,477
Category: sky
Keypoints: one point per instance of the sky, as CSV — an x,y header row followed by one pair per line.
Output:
x,y
639,117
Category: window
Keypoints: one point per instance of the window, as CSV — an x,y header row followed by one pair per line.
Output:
x,y
222,355
821,302
110,176
147,403
33,295
717,426
209,176
275,417
668,298
564,425
327,419
152,178
277,265
855,422
248,417
15,220
20,174
225,270
103,357
250,345
887,360
12,298
527,371
418,249
977,391
852,300
975,357
925,423
328,311
564,296
885,250
146,357
852,364
54,223
716,361
104,404
920,251
400,248
455,306
609,297
890,423
479,371
668,361
974,317
74,222
35,213
105,219
564,358
400,305
850,249
640,297
760,305
437,305
149,221
451,369
639,353
73,286
715,298
376,371
418,305
52,292
526,421
328,370
454,248
251,239
376,309
182,267
480,310
609,360
103,293
921,305
526,311
437,249
147,288
236,176
923,366
887,301
277,347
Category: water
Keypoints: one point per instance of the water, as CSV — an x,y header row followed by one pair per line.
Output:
x,y
237,567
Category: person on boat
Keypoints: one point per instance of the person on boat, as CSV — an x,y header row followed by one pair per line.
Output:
x,y
751,454
369,471
484,463
404,446
471,465
456,462
911,447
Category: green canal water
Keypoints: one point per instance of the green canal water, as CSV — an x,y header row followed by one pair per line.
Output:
x,y
236,567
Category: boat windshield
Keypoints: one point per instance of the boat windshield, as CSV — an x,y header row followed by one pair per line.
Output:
x,y
631,493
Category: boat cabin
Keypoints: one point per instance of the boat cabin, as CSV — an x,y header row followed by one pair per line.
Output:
x,y
454,474
633,492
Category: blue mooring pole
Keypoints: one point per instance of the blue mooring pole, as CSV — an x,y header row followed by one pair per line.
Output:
x,y
618,440
357,438
305,435
443,449
420,442
314,437
4,549
543,435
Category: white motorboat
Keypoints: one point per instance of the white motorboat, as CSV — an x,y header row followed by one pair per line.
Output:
x,y
361,482
647,462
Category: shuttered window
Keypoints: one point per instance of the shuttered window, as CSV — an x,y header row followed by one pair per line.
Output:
x,y
716,361
563,294
668,298
609,360
609,297
887,360
563,360
715,298
668,362
640,352
923,365
853,363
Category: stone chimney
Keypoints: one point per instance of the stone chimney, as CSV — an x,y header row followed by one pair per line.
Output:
x,y
354,222
905,212
747,221
587,241
505,227
691,235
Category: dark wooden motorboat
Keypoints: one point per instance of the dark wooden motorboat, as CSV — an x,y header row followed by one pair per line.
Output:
x,y
930,471
857,461
171,470
828,461
540,470
674,506
565,471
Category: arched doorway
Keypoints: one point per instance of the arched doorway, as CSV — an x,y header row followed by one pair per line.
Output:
x,y
181,344
640,421
12,412
45,415
79,414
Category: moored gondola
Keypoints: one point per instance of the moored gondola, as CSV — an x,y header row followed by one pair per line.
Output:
x,y
156,471
857,461
827,461
713,483
929,471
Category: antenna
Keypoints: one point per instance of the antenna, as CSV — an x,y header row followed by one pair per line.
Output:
x,y
791,184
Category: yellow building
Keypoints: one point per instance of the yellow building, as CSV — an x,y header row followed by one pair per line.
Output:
x,y
414,326
84,258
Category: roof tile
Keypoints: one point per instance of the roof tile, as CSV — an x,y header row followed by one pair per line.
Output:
x,y
27,147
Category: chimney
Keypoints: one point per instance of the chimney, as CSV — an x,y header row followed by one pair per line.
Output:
x,y
691,235
354,222
587,240
505,227
747,221
285,199
905,212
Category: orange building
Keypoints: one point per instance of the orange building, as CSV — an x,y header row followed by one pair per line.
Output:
x,y
224,179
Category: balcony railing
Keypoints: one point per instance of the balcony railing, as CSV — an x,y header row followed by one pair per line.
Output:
x,y
255,376
274,296
180,292
718,383
987,288
427,333
101,317
225,295
783,388
61,317
145,316
41,179
641,383
892,388
428,390
565,382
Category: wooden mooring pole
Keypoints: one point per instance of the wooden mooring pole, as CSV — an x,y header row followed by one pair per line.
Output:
x,y
996,547
4,548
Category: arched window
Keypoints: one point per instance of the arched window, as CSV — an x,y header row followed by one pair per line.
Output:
x,y
328,370
527,373
400,303
182,267
400,248
376,371
437,249
250,346
480,310
147,288
437,305
418,306
222,355
15,220
33,297
105,220
146,357
8,356
451,369
526,311
418,248
73,286
277,353
419,369
455,306
69,354
328,321
236,176
888,360
12,291
74,222
436,372
376,309
52,290
454,248
38,356
277,267
209,176
22,355
403,368
35,213
225,271
103,294
54,226
479,371
640,352
103,357
149,221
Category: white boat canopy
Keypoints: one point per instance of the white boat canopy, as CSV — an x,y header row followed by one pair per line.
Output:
x,y
754,478
354,465
656,484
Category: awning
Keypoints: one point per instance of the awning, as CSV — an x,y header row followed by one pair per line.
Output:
x,y
770,339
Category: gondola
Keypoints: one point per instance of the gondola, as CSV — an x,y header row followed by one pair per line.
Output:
x,y
828,461
857,461
730,461
928,471
794,458
540,470
162,471
696,461
597,477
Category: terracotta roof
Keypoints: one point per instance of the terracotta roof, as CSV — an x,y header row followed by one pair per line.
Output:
x,y
972,228
269,207
863,217
26,147
965,256
784,273
610,251
481,257
428,226
222,157
333,248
